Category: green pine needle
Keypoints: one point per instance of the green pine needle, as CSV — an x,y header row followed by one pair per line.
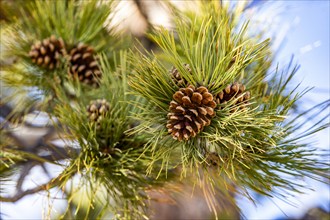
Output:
x,y
254,145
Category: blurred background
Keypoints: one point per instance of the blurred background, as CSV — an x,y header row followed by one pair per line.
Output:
x,y
300,31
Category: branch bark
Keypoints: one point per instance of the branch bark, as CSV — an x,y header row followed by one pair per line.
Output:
x,y
51,184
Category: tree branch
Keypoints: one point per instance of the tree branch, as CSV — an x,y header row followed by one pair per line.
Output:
x,y
51,184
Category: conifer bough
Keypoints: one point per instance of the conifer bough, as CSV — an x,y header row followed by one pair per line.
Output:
x,y
259,148
211,124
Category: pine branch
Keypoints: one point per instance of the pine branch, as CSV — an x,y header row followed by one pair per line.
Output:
x,y
44,187
205,105
245,144
110,157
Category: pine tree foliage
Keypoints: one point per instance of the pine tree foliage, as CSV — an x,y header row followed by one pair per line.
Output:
x,y
254,146
110,157
133,122
72,22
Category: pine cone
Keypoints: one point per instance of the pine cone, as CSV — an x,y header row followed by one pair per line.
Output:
x,y
83,65
190,111
48,52
176,76
97,109
233,91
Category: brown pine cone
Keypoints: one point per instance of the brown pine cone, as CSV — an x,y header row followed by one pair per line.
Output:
x,y
96,110
232,91
176,76
191,110
83,65
48,52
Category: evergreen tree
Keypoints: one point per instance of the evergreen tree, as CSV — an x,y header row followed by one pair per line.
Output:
x,y
202,107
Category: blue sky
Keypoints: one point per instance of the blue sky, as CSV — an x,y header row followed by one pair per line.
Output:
x,y
304,28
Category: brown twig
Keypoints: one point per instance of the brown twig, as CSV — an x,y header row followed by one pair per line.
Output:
x,y
31,154
51,184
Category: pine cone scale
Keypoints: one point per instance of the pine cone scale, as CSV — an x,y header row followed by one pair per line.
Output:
x,y
76,57
47,60
81,68
39,61
197,98
51,47
202,110
186,101
188,117
86,55
93,64
180,109
194,112
88,73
